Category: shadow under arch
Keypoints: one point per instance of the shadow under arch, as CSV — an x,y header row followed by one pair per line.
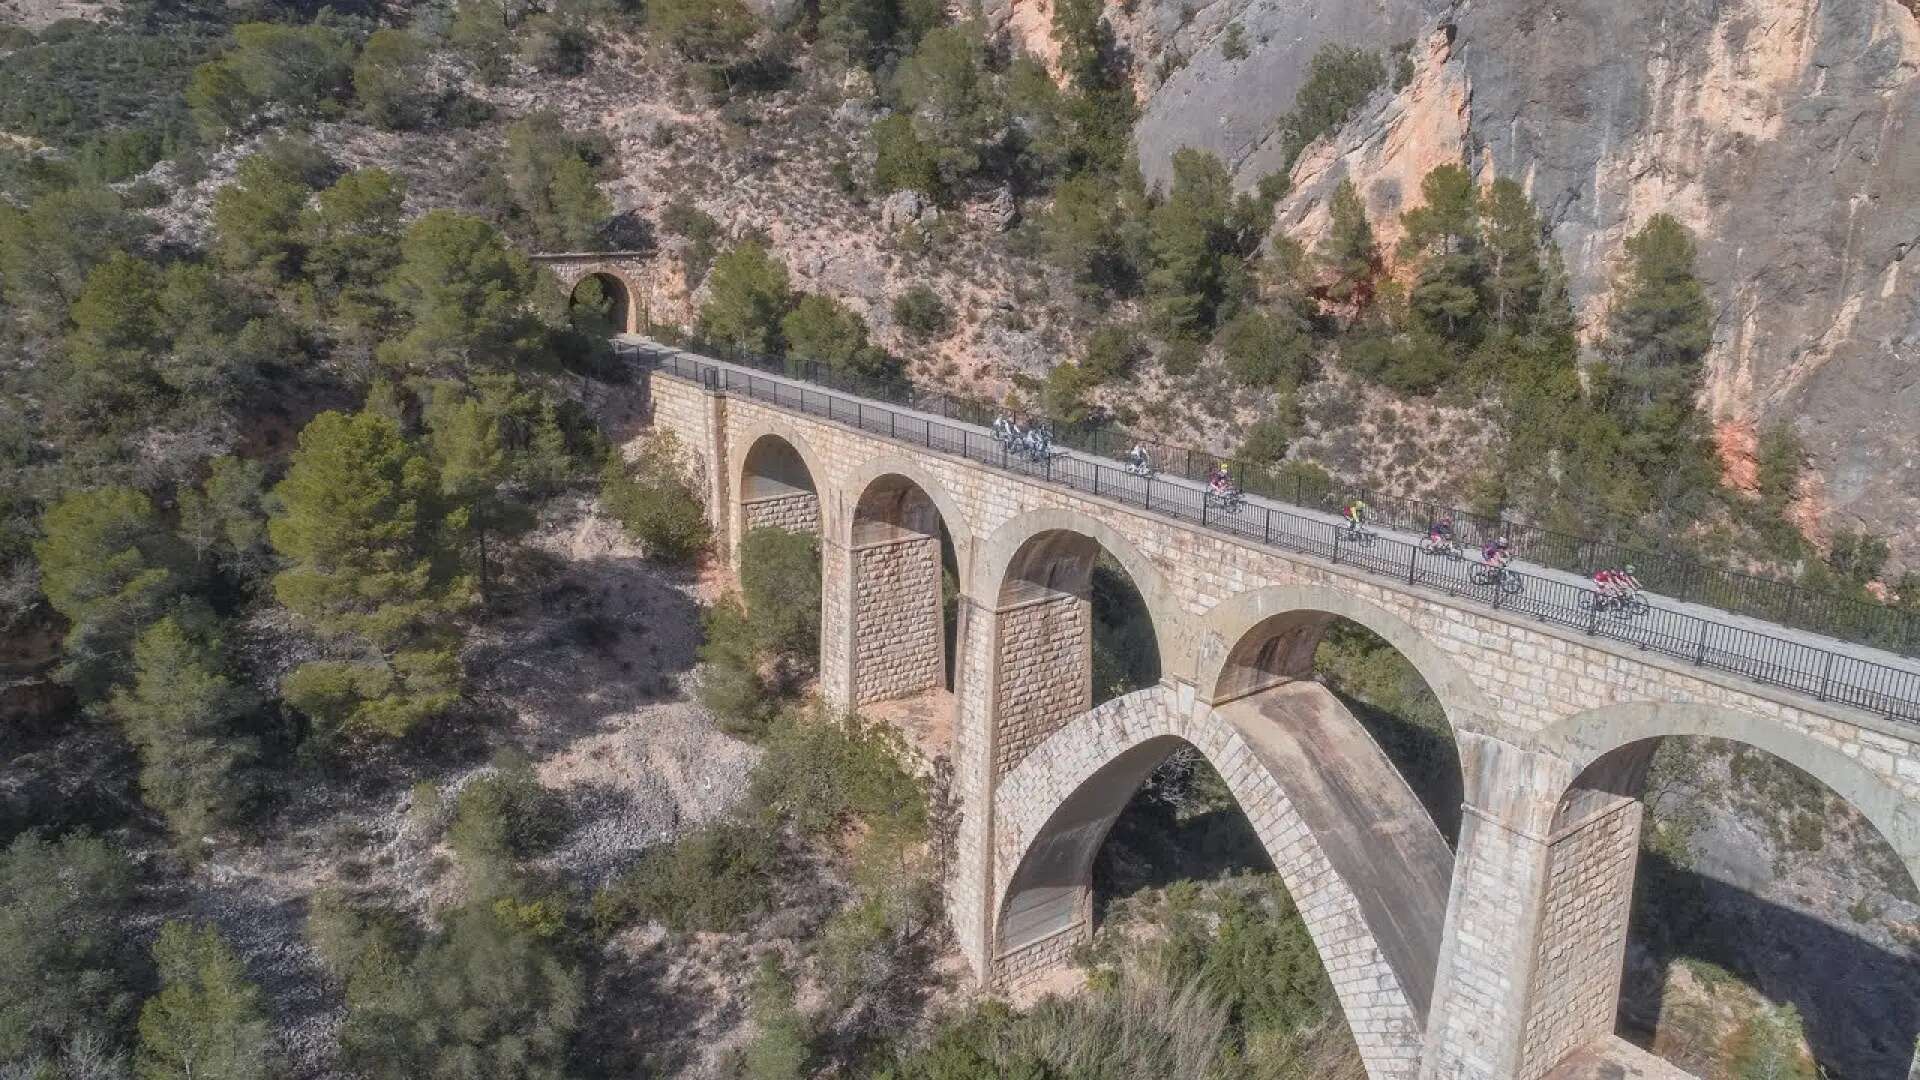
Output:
x,y
1037,552
1858,997
614,311
1057,807
1231,660
777,479
898,546
861,483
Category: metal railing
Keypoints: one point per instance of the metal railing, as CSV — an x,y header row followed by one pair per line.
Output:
x,y
1669,573
1810,669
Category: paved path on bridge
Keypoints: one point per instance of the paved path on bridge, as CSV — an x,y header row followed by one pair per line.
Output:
x,y
1132,490
1363,815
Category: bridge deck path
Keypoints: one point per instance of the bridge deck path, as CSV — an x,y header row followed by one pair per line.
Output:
x,y
1363,815
1133,489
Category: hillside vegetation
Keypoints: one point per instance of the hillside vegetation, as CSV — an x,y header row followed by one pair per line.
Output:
x,y
371,703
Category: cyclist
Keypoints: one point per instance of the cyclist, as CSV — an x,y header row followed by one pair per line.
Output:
x,y
1002,428
1355,513
1616,584
1495,555
1137,459
1219,480
1441,531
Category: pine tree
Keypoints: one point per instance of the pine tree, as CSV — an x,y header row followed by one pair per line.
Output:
x,y
461,293
222,521
351,236
360,519
256,221
207,1022
1511,231
181,713
1199,238
62,907
1443,234
1350,254
748,297
474,473
110,567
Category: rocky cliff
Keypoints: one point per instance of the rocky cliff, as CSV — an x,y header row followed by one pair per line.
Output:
x,y
1785,133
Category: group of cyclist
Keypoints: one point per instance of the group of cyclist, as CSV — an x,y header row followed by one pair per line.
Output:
x,y
1035,442
1611,582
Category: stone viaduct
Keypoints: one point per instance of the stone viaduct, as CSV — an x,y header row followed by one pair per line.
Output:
x,y
1496,959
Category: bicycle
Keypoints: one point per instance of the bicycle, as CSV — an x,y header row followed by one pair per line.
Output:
x,y
1442,549
1627,605
1496,577
1354,533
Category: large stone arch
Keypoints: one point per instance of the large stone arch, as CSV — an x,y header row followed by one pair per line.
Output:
x,y
753,507
1053,812
1592,743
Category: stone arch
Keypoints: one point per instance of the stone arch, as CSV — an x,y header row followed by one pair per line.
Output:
x,y
1008,552
1600,745
1232,661
897,620
778,478
626,296
1036,576
860,480
1053,813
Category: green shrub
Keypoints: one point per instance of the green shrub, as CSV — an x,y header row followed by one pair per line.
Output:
x,y
1267,352
701,231
487,995
1233,43
732,687
817,776
748,297
716,879
780,1046
901,161
390,80
654,503
504,816
920,312
780,578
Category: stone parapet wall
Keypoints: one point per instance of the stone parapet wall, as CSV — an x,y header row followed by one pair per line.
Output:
x,y
1583,935
1046,674
899,643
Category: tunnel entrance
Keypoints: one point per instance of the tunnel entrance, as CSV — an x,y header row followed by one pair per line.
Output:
x,y
601,306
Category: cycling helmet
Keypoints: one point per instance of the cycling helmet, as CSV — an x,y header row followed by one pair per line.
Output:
x,y
1502,542
1629,568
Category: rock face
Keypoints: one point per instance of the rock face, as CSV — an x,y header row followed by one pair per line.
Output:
x,y
1229,106
1785,134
